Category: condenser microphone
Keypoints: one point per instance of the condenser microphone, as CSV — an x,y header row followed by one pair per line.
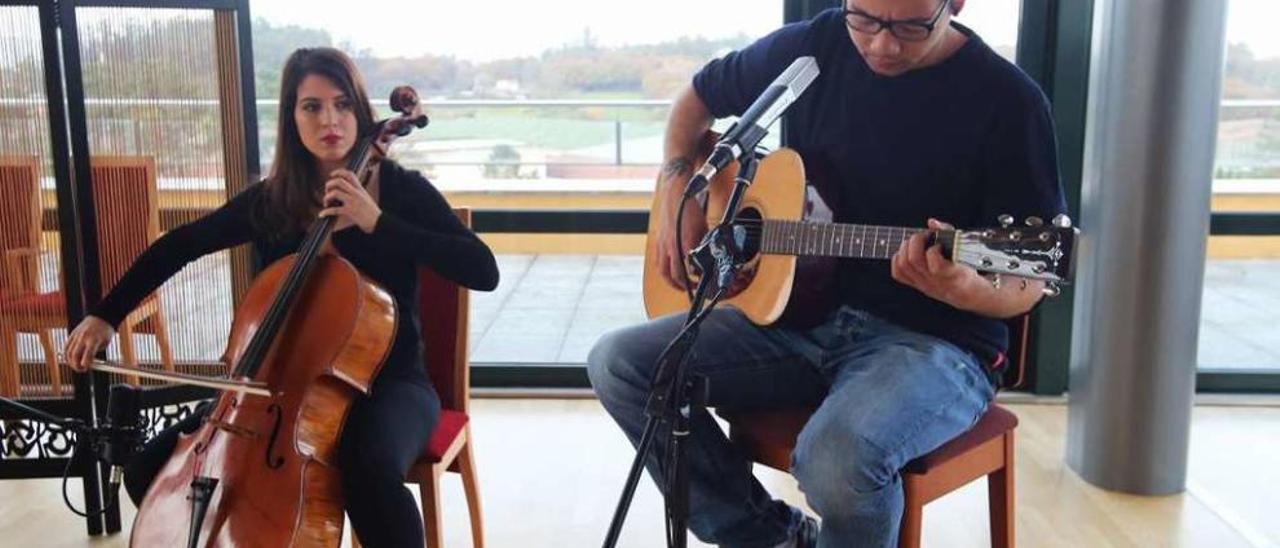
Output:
x,y
123,432
754,124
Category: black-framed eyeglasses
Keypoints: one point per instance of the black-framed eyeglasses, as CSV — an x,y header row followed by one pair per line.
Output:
x,y
911,30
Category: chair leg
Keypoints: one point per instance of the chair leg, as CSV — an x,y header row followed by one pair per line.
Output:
x,y
51,361
162,339
1000,494
126,349
467,467
429,488
9,380
912,515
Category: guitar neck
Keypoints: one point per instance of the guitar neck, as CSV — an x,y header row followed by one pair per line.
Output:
x,y
839,239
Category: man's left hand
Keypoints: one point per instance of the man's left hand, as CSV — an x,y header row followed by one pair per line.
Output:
x,y
930,273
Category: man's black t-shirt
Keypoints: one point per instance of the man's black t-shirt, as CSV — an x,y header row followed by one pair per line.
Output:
x,y
962,141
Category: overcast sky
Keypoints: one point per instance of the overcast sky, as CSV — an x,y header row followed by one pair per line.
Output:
x,y
491,30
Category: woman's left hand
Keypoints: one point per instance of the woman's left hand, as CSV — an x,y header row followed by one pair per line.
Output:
x,y
346,199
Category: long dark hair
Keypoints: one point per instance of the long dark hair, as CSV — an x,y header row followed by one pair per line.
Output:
x,y
290,198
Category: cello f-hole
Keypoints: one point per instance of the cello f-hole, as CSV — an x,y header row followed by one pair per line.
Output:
x,y
277,462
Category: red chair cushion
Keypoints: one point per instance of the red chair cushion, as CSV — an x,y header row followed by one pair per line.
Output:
x,y
993,424
772,428
450,426
43,304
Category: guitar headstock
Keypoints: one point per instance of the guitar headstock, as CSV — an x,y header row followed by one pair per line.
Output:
x,y
1034,250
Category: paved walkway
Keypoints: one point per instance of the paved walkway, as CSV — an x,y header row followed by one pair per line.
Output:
x,y
1240,315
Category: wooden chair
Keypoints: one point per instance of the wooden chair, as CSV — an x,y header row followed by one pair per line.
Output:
x,y
19,253
445,309
769,437
128,220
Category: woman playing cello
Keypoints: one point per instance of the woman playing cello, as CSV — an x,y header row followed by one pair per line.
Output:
x,y
387,230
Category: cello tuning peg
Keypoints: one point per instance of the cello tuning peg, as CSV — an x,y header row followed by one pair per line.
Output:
x,y
1062,221
1052,289
1034,221
1005,220
403,99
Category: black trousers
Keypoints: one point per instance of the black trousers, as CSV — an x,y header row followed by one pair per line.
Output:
x,y
384,434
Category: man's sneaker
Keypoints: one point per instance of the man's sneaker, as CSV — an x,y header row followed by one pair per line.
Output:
x,y
807,534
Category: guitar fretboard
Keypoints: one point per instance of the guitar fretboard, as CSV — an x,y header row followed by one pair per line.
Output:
x,y
833,239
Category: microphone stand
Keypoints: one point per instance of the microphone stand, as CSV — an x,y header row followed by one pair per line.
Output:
x,y
88,436
676,396
29,412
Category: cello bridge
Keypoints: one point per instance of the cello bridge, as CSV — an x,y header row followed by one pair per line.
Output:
x,y
233,429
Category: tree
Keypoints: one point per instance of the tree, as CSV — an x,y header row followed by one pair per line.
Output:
x,y
272,45
504,163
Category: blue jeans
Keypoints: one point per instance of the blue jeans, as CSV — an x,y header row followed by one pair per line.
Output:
x,y
887,395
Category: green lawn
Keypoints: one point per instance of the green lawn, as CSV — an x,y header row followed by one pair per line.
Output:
x,y
554,133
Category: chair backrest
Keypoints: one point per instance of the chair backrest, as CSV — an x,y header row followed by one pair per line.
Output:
x,y
444,309
19,210
1014,372
126,203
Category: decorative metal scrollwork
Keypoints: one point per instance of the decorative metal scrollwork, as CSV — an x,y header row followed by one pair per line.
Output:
x,y
156,419
29,439
32,439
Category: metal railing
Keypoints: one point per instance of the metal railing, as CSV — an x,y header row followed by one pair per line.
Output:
x,y
615,113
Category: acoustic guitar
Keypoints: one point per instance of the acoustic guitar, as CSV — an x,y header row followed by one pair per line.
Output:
x,y
784,228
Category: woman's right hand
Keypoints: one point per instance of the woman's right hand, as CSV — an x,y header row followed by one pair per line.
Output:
x,y
93,334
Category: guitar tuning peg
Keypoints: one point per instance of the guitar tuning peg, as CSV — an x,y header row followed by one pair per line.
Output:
x,y
1052,289
1005,220
1062,221
1034,221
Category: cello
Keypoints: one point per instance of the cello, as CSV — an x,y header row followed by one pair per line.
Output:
x,y
309,337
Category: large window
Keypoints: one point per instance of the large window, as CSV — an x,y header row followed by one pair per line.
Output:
x,y
1241,304
28,252
559,104
159,95
996,21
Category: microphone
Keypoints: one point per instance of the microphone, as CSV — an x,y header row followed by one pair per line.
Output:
x,y
122,432
754,124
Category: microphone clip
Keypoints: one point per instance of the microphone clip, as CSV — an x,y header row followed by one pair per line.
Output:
x,y
720,156
724,249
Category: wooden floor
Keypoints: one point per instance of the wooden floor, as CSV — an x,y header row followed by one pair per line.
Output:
x,y
550,471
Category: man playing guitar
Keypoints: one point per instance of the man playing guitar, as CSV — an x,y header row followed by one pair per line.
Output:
x,y
918,120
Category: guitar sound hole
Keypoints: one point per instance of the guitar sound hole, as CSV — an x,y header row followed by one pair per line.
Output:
x,y
747,235
749,227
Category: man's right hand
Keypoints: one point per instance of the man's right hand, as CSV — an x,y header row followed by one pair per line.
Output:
x,y
687,127
670,257
93,334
